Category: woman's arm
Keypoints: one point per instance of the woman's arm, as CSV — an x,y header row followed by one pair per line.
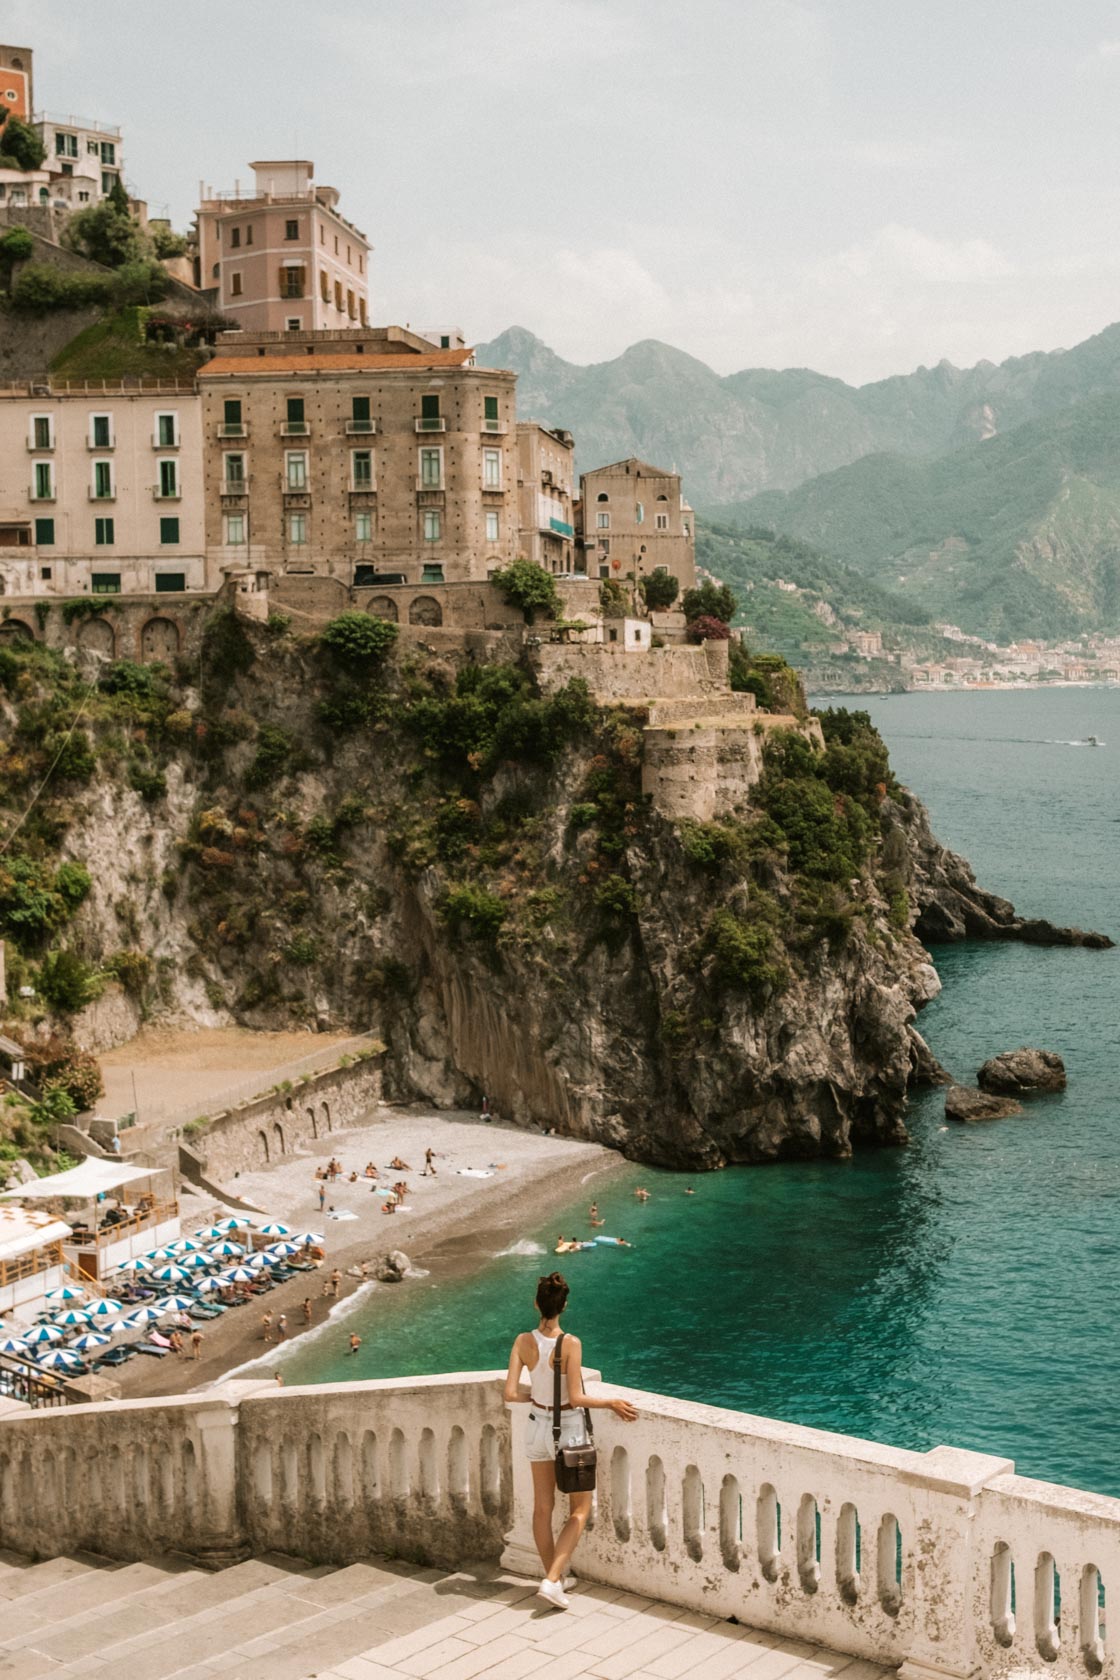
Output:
x,y
577,1395
513,1392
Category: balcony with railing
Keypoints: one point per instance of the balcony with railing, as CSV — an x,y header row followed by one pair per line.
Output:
x,y
431,423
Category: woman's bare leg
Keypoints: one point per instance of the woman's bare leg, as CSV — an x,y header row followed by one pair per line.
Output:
x,y
544,1500
579,1510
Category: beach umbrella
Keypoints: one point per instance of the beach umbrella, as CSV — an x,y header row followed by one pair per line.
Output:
x,y
58,1359
279,1250
274,1229
105,1308
171,1274
232,1224
185,1245
260,1262
315,1238
13,1344
204,1285
226,1250
175,1303
193,1262
139,1264
92,1339
68,1292
237,1274
68,1320
142,1316
42,1333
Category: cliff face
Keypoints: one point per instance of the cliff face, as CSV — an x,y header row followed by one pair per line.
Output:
x,y
441,855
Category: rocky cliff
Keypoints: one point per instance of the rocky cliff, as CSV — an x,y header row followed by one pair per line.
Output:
x,y
356,835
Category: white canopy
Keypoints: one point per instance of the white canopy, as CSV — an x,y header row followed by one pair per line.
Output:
x,y
81,1183
24,1229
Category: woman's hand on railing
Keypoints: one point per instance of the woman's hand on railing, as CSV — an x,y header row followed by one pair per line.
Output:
x,y
623,1409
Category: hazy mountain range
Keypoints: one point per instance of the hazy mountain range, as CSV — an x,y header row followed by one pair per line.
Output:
x,y
987,495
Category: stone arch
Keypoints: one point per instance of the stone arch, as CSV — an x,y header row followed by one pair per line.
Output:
x,y
663,498
15,630
314,1122
159,639
383,606
262,1139
425,609
278,1137
95,635
3,584
602,496
327,1115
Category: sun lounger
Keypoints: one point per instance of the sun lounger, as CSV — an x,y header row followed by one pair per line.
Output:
x,y
156,1352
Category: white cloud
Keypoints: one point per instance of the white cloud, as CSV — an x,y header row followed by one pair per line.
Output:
x,y
899,252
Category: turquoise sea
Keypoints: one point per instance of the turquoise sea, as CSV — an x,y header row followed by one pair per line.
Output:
x,y
965,1289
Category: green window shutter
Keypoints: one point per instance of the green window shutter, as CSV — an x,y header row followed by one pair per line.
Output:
x,y
491,407
44,533
106,583
429,408
359,408
295,410
103,532
168,531
170,583
232,410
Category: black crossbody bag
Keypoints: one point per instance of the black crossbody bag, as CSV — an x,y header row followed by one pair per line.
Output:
x,y
575,1466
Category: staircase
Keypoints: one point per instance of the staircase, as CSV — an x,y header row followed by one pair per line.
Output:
x,y
274,1618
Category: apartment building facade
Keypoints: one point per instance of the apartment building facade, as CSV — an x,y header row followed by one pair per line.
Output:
x,y
371,457
280,255
633,518
546,480
17,86
100,492
84,161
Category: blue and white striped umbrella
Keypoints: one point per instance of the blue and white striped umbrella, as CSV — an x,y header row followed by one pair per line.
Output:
x,y
171,1274
58,1359
274,1229
304,1237
262,1260
281,1250
232,1224
144,1315
105,1308
68,1320
196,1262
238,1274
175,1303
139,1264
206,1284
226,1250
67,1292
185,1245
42,1333
13,1344
165,1253
92,1339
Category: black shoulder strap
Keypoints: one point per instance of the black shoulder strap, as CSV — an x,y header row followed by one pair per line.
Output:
x,y
556,1389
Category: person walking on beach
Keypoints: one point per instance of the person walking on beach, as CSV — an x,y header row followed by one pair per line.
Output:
x,y
266,1326
196,1344
281,1327
307,1309
336,1279
429,1164
534,1353
322,1195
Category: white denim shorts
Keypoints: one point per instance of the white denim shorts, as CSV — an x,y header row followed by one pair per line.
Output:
x,y
539,1445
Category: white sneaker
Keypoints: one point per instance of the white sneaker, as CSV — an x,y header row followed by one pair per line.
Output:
x,y
552,1593
568,1583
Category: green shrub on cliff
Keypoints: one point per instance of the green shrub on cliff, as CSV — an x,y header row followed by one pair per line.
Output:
x,y
474,911
34,899
358,640
709,600
526,585
494,714
67,982
827,832
742,950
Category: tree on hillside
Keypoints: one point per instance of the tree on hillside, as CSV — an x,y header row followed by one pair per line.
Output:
x,y
526,585
660,590
108,235
709,600
20,146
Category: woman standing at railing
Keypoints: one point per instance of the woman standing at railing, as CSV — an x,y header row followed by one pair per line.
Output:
x,y
534,1352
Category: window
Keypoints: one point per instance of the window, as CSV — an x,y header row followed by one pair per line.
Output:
x,y
294,323
103,533
445,341
170,583
294,411
493,525
432,574
42,432
167,431
231,414
43,482
602,496
44,533
103,480
490,406
431,469
66,145
291,230
291,281
324,285
234,472
108,152
67,169
106,583
168,480
101,431
297,528
351,305
362,310
338,294
235,529
45,573
168,532
639,513
429,406
491,469
92,148
249,234
432,524
360,415
363,527
234,238
361,469
108,181
235,285
603,521
296,470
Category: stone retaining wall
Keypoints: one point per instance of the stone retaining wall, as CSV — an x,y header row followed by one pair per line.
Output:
x,y
264,1131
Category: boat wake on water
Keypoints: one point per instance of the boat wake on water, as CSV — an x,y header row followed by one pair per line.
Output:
x,y
522,1248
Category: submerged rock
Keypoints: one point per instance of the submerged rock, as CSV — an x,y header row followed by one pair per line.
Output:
x,y
1016,1071
965,1103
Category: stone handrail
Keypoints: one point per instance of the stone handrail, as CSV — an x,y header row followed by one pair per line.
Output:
x,y
944,1562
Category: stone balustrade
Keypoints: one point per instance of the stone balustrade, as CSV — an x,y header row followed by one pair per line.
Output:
x,y
945,1562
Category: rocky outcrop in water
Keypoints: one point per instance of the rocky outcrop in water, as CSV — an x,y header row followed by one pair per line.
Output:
x,y
964,1103
1018,1071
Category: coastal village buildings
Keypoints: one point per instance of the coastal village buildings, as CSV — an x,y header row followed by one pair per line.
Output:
x,y
100,493
280,255
367,456
546,479
84,161
635,520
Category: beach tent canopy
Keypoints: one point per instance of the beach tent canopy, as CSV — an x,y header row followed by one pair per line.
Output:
x,y
92,1178
25,1229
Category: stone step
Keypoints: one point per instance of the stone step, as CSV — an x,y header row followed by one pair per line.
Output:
x,y
67,1628
35,1577
59,1605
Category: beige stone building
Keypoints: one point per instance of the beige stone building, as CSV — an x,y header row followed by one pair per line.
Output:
x,y
280,255
546,480
100,492
368,456
633,518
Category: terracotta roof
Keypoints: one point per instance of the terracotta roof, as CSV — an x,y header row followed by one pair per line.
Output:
x,y
347,363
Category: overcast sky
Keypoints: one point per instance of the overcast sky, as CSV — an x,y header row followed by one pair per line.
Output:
x,y
858,186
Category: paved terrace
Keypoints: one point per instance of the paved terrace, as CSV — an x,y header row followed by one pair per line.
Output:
x,y
721,1545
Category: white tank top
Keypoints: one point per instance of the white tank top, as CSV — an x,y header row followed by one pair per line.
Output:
x,y
542,1377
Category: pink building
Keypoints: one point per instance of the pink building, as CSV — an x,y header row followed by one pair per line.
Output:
x,y
280,255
